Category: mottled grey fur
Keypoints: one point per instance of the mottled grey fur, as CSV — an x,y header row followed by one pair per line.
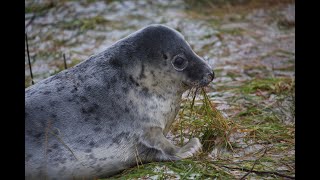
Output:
x,y
98,117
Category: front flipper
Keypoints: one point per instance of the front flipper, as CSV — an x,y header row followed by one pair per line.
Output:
x,y
153,138
191,148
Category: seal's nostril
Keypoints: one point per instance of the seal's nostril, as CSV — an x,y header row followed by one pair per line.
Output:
x,y
210,76
207,78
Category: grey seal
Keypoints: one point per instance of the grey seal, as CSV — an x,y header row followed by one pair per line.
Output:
x,y
102,115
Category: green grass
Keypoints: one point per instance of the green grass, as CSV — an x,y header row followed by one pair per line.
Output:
x,y
184,169
39,8
272,85
205,122
84,24
265,119
27,81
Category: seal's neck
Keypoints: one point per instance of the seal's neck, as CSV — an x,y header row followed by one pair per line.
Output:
x,y
159,93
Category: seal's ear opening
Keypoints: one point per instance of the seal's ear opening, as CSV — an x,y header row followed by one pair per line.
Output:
x,y
179,63
165,57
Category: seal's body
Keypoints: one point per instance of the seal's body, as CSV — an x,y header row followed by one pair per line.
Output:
x,y
101,116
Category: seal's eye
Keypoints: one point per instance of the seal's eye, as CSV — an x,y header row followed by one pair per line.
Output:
x,y
179,63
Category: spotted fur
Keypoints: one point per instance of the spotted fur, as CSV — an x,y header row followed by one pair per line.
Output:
x,y
94,119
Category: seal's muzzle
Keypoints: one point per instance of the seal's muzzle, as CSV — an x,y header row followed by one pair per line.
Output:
x,y
207,78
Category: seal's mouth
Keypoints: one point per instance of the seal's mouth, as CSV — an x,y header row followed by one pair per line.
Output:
x,y
206,79
197,84
186,85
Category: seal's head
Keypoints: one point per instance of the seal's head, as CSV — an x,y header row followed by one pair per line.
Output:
x,y
169,59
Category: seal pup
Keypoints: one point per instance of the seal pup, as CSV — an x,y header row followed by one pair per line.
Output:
x,y
98,117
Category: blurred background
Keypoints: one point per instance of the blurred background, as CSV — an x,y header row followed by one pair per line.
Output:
x,y
230,34
249,43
